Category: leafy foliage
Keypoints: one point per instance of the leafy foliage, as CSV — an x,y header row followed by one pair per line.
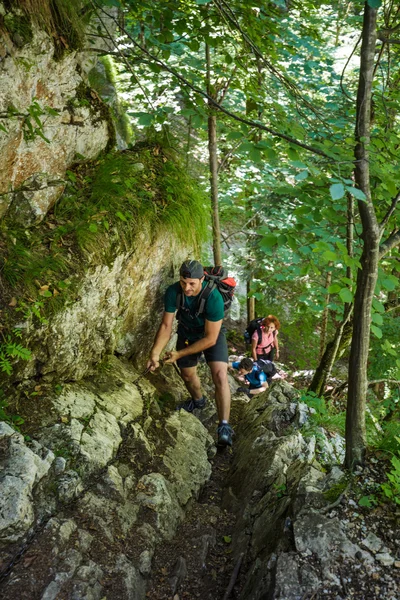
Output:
x,y
391,489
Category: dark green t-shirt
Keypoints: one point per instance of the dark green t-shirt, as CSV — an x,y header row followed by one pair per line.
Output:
x,y
189,324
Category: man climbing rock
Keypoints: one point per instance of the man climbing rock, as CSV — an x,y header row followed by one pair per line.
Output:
x,y
199,331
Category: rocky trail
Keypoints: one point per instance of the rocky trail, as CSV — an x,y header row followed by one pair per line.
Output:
x,y
150,508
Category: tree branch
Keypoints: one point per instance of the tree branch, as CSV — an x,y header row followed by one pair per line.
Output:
x,y
389,212
392,241
211,100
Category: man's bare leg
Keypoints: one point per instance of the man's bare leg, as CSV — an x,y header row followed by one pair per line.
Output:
x,y
192,382
219,372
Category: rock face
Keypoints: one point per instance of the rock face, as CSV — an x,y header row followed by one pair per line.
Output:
x,y
118,309
36,88
293,547
123,475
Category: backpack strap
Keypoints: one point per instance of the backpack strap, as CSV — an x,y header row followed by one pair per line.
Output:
x,y
180,299
204,295
201,303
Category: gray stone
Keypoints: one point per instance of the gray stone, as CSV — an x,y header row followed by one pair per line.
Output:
x,y
59,465
145,559
69,486
22,469
178,574
385,559
157,494
372,542
187,458
133,581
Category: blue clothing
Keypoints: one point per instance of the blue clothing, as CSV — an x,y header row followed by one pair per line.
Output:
x,y
191,326
255,378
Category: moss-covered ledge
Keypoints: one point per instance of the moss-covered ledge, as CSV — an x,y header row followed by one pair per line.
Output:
x,y
86,281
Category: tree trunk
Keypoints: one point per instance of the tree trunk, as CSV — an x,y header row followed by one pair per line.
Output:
x,y
213,162
251,303
334,349
325,315
368,272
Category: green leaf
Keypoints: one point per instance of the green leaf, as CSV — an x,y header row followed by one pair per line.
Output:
x,y
376,331
121,216
145,119
255,155
234,135
389,284
346,295
93,227
302,175
359,194
337,191
334,288
227,539
291,242
377,318
329,255
268,241
378,306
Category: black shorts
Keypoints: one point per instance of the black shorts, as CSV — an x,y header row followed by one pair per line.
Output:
x,y
217,353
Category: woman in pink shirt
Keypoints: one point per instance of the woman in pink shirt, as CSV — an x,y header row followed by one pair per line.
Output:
x,y
265,348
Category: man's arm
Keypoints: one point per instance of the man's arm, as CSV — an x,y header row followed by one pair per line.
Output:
x,y
211,333
260,389
161,340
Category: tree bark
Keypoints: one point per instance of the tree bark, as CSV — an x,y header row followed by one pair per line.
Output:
x,y
213,162
325,315
368,272
335,348
251,303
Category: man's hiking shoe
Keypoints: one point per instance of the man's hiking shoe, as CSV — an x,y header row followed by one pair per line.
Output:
x,y
225,433
189,405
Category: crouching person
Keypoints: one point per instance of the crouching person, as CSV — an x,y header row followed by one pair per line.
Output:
x,y
252,374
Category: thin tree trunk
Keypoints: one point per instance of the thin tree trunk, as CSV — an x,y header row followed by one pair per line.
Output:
x,y
325,315
334,349
368,272
349,238
251,303
213,162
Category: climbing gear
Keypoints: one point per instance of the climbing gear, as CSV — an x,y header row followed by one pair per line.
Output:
x,y
190,405
225,433
216,278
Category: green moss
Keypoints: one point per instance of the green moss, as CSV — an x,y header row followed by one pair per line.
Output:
x,y
334,492
64,20
103,80
18,26
105,207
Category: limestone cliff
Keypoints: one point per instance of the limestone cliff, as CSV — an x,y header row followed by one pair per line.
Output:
x,y
49,116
